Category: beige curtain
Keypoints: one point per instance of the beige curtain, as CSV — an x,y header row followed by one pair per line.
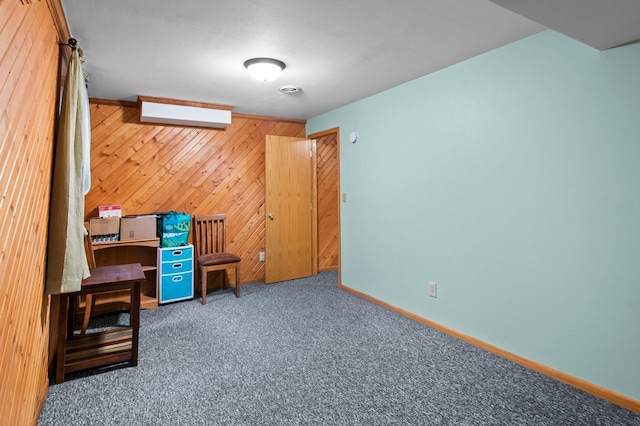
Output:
x,y
66,259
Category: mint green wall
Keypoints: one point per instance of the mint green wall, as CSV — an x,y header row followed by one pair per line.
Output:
x,y
512,180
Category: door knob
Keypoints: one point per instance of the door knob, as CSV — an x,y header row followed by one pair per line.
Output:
x,y
270,216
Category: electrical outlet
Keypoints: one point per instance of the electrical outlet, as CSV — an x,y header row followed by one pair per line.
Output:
x,y
433,290
261,256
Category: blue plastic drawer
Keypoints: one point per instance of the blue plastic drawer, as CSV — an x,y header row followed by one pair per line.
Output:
x,y
176,287
177,267
176,253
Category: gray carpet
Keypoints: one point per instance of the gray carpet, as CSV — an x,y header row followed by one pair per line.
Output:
x,y
304,352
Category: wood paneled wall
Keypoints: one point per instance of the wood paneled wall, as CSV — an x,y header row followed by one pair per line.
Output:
x,y
150,168
29,67
328,213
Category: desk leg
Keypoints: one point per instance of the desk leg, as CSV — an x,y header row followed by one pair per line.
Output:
x,y
63,317
134,316
72,309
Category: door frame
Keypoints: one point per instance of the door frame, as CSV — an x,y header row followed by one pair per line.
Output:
x,y
336,131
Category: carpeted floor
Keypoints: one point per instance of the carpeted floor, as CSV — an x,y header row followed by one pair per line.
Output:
x,y
304,352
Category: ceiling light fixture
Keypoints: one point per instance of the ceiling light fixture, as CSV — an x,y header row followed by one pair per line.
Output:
x,y
264,69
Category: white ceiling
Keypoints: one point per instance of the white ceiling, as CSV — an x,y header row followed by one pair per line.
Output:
x,y
336,51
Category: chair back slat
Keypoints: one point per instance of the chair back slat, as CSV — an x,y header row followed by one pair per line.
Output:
x,y
88,247
209,233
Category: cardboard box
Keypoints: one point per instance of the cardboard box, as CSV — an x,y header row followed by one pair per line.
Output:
x,y
113,210
104,229
138,227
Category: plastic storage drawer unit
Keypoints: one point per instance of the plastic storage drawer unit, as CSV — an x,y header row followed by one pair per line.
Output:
x,y
175,269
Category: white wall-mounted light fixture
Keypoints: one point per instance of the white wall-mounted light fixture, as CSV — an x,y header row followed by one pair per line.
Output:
x,y
264,69
353,137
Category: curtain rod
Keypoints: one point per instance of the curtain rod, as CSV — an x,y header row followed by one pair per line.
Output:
x,y
72,43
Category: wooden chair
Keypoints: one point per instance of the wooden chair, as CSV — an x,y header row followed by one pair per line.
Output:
x,y
210,245
89,301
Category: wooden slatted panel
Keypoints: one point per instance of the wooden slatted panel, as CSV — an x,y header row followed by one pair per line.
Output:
x,y
28,66
328,187
209,234
151,168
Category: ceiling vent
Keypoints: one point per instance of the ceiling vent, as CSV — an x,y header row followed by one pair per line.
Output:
x,y
183,113
289,89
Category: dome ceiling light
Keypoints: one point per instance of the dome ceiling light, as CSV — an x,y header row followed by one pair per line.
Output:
x,y
264,69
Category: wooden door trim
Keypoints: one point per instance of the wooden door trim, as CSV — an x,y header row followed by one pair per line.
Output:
x,y
314,209
325,133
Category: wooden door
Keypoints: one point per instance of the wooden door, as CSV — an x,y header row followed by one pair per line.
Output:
x,y
290,198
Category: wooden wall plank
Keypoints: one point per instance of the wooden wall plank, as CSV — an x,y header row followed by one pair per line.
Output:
x,y
29,67
150,168
328,187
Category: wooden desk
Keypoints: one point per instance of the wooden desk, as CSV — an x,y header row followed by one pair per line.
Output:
x,y
79,352
131,251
